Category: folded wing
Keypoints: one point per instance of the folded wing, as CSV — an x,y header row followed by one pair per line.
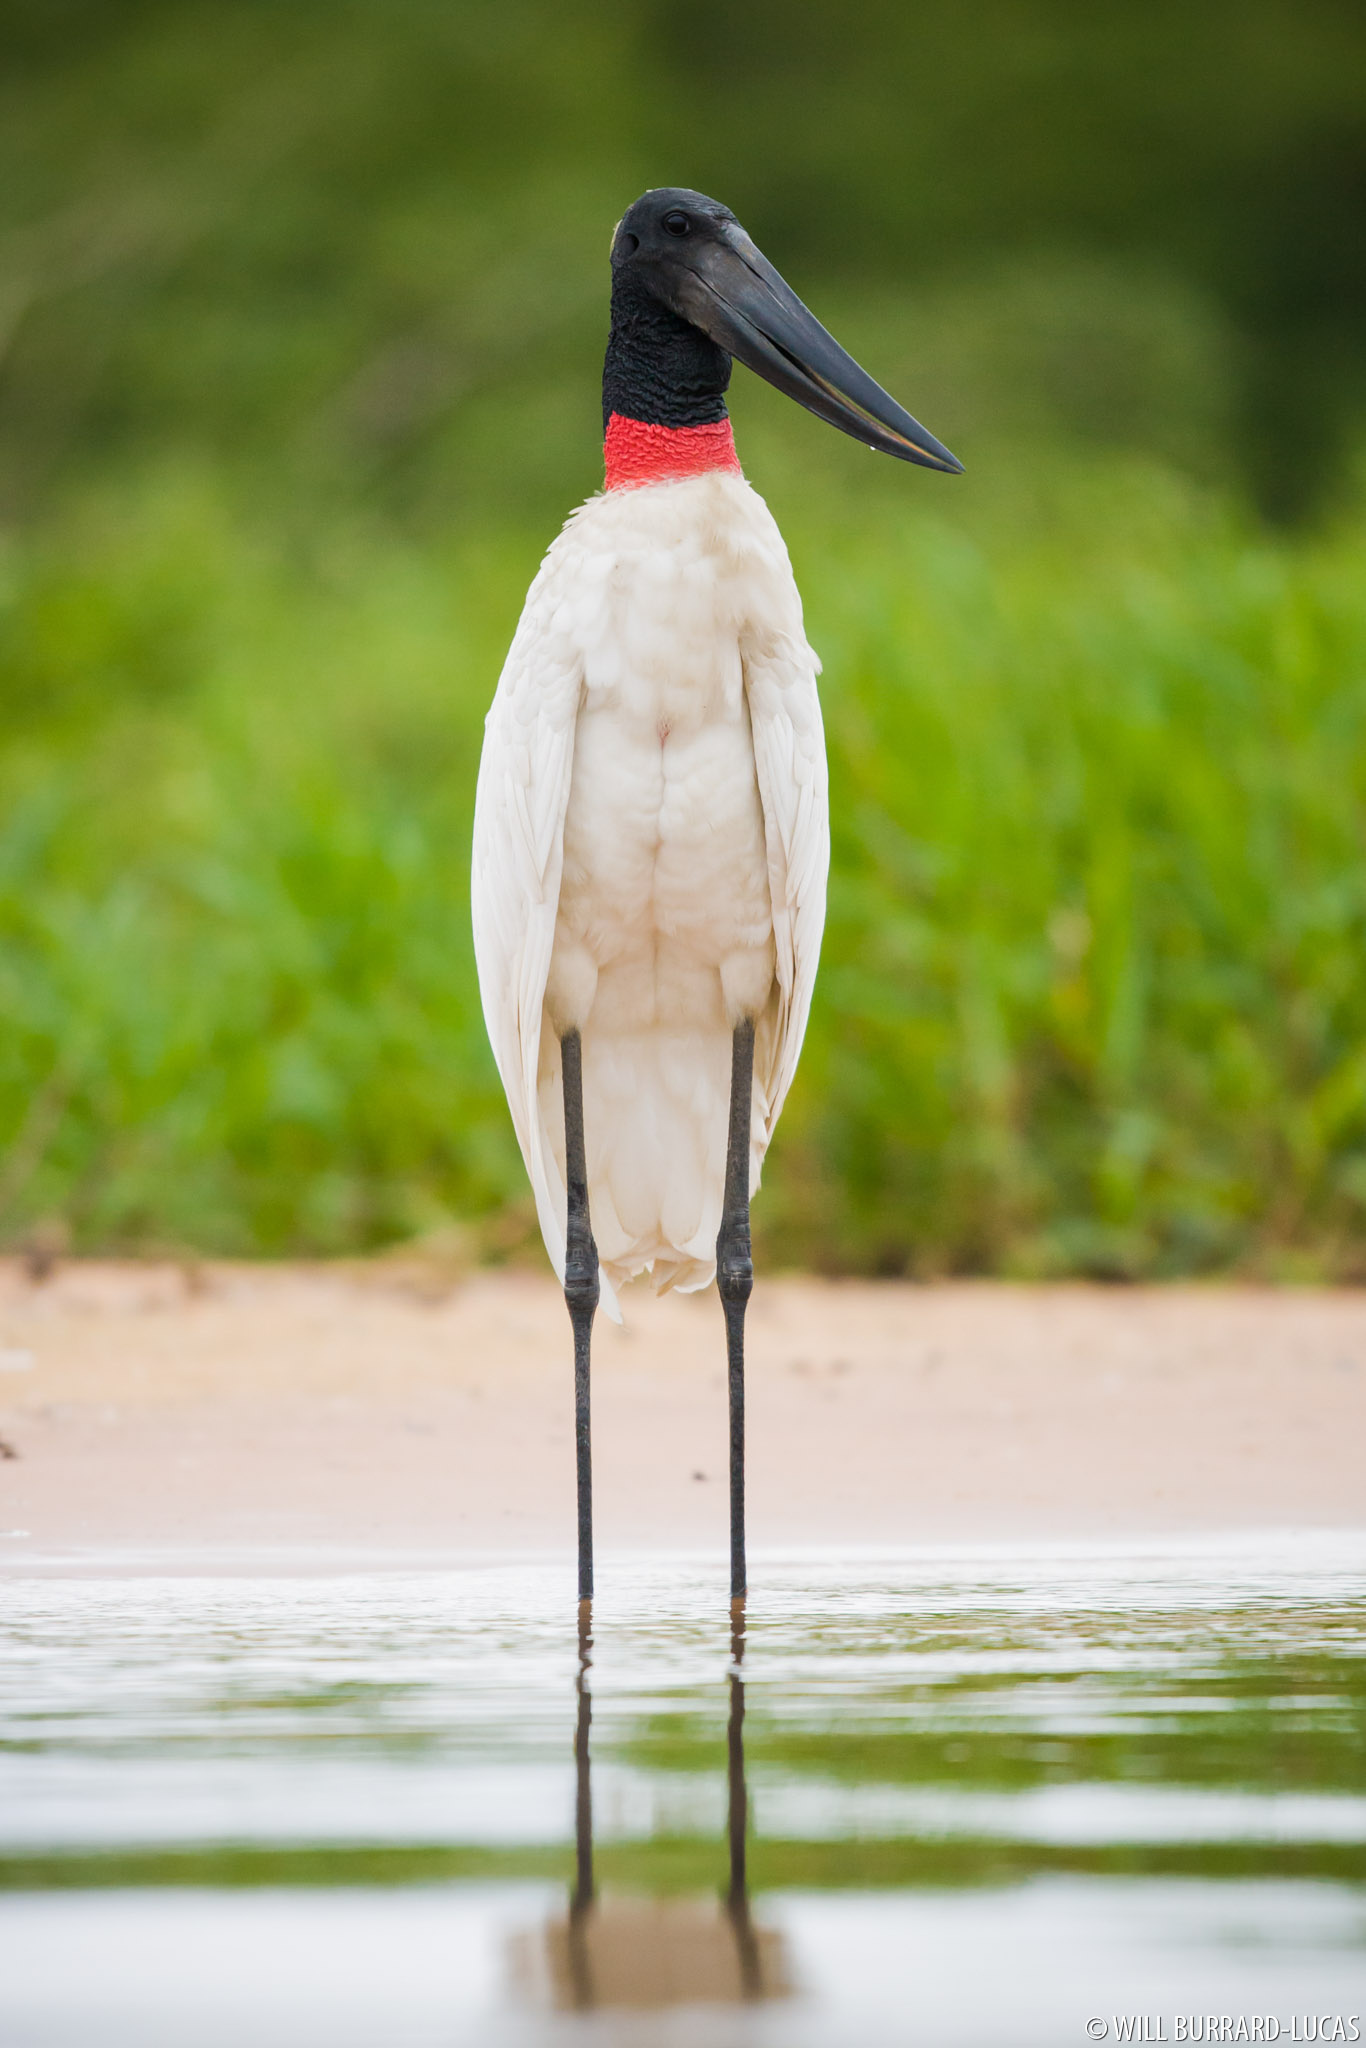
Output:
x,y
519,812
789,758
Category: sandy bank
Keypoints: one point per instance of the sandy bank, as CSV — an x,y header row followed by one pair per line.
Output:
x,y
150,1407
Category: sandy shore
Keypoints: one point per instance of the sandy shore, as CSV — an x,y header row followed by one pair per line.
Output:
x,y
170,1410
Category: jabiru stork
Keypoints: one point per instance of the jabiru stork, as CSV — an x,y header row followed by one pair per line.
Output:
x,y
651,833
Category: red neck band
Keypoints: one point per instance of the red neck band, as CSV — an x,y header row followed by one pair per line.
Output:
x,y
637,453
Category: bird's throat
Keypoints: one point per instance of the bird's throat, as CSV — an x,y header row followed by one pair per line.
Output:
x,y
639,452
663,393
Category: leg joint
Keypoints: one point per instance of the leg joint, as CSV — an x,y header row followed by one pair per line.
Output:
x,y
582,1295
734,1267
581,1288
735,1284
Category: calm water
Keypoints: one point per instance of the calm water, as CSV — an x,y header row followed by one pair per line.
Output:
x,y
925,1799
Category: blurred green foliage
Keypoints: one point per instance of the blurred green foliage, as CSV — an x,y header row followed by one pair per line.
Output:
x,y
1092,997
362,246
301,315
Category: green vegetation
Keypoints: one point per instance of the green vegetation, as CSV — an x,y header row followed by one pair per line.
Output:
x,y
1092,996
298,368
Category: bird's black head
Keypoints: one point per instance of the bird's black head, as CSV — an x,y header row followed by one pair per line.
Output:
x,y
650,234
689,292
659,366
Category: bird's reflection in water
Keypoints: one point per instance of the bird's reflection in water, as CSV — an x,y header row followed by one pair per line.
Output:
x,y
641,1953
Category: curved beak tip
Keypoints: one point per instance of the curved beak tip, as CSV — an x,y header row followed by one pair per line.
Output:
x,y
947,464
926,454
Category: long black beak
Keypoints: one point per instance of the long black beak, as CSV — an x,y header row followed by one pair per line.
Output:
x,y
733,293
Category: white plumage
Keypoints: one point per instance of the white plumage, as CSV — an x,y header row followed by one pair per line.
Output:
x,y
651,846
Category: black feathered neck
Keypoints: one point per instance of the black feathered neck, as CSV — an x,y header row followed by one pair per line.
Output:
x,y
658,368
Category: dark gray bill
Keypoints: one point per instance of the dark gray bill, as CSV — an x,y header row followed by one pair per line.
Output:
x,y
733,293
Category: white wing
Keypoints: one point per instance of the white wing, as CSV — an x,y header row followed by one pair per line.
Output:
x,y
519,811
789,756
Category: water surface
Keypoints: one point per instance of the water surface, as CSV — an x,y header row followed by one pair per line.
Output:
x,y
926,1798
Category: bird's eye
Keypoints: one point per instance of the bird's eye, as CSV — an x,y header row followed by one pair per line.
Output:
x,y
676,223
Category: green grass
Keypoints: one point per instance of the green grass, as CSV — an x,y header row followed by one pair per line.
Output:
x,y
1092,998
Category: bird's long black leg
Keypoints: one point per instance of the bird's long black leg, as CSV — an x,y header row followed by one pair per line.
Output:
x,y
735,1280
580,1291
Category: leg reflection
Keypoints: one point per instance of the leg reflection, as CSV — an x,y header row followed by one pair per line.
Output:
x,y
581,1899
635,1950
737,1815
